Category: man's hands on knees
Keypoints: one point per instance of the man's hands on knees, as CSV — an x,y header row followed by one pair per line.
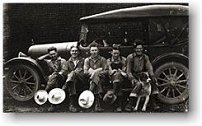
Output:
x,y
113,71
77,70
123,73
91,71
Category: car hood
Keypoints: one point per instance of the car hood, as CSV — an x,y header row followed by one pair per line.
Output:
x,y
41,49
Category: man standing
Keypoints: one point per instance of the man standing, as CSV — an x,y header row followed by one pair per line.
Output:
x,y
73,70
96,68
138,62
55,64
117,73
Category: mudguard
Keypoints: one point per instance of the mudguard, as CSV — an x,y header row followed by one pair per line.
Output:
x,y
174,56
26,60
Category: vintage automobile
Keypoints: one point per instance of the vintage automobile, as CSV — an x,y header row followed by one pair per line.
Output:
x,y
163,30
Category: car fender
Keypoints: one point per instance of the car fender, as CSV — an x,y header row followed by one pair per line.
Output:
x,y
174,56
26,60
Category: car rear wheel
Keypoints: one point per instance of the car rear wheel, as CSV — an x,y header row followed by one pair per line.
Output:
x,y
22,82
172,80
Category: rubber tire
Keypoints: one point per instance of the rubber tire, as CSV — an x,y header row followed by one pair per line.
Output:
x,y
185,93
32,71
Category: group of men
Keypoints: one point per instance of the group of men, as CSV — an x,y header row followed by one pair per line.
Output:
x,y
95,70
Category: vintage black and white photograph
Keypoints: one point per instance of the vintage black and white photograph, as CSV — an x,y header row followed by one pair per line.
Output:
x,y
95,57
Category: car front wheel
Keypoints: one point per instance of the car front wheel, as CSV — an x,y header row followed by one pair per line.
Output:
x,y
22,82
172,80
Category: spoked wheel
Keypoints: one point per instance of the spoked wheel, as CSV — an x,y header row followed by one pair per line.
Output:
x,y
172,80
22,82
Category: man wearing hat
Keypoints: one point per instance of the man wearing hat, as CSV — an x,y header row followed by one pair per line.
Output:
x,y
117,73
138,62
73,70
96,68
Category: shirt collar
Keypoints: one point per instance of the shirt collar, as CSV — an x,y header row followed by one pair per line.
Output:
x,y
70,59
98,57
138,57
119,59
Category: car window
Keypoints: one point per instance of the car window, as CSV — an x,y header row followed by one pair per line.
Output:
x,y
165,30
122,33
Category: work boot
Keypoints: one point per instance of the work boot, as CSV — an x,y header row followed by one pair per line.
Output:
x,y
128,107
97,105
153,102
118,109
119,104
72,107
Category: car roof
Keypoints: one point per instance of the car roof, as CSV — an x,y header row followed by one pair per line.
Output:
x,y
140,11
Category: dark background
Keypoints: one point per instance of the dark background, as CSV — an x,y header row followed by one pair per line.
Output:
x,y
27,24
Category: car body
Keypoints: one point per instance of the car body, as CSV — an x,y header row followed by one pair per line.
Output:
x,y
163,29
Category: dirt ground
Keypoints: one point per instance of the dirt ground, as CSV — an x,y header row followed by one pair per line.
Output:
x,y
11,105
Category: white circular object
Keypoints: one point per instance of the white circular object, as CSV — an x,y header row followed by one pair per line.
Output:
x,y
86,99
41,97
56,96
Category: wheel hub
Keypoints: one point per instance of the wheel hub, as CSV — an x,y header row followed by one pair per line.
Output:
x,y
172,80
22,81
